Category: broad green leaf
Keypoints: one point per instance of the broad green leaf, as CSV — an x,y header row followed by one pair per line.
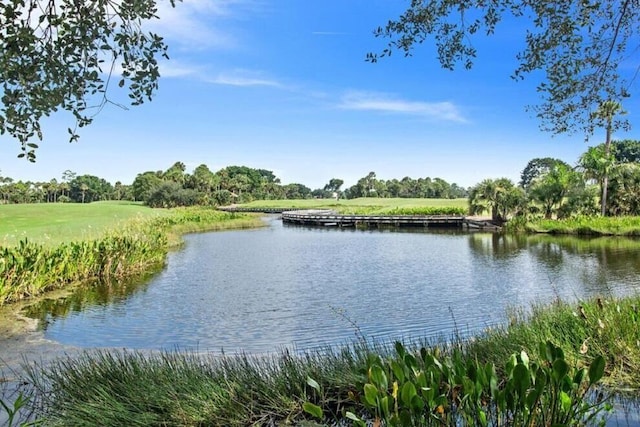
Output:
x,y
521,378
560,369
407,393
596,370
385,405
313,410
417,404
397,370
378,377
371,394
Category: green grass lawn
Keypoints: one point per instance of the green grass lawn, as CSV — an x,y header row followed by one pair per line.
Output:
x,y
53,223
363,201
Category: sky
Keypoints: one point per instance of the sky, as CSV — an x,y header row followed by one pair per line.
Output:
x,y
283,85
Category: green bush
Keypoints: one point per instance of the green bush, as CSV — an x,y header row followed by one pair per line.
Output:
x,y
407,390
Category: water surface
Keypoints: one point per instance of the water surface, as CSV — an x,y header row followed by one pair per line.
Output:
x,y
285,286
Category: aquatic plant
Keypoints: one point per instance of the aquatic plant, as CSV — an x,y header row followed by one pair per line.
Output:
x,y
421,389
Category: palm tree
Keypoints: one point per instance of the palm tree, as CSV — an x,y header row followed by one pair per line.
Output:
x,y
499,196
551,188
597,165
83,188
604,116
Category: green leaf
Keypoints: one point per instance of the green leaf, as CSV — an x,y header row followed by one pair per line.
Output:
x,y
379,378
596,370
521,378
482,417
565,401
400,350
313,410
371,394
313,384
397,370
417,404
560,369
407,393
353,417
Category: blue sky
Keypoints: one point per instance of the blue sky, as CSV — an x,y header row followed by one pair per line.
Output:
x,y
283,85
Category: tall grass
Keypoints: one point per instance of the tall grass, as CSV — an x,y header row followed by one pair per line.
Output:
x,y
29,269
112,388
588,225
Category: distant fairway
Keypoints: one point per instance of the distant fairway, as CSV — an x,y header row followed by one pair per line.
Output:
x,y
362,201
53,223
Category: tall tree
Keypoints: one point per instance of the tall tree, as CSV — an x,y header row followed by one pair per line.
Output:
x,y
551,188
538,167
597,164
61,54
605,116
580,46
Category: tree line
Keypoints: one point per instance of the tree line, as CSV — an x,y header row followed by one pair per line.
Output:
x,y
233,184
605,180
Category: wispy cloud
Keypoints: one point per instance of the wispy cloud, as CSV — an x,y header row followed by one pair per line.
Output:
x,y
176,68
198,24
372,101
329,33
243,78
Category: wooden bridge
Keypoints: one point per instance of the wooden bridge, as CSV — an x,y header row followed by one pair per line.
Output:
x,y
332,219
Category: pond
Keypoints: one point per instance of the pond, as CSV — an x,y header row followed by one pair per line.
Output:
x,y
285,286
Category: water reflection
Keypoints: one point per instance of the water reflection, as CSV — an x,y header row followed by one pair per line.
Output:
x,y
84,296
259,290
598,265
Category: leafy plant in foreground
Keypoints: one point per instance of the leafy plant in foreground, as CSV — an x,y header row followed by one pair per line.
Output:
x,y
407,389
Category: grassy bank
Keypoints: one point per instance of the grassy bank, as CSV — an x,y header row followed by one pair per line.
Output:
x,y
371,206
55,223
484,381
592,226
123,249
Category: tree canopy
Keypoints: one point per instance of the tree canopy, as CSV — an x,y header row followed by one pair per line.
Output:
x,y
582,47
65,55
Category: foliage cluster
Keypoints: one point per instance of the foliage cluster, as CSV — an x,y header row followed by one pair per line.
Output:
x,y
29,269
580,47
609,327
61,55
233,184
436,188
550,188
410,389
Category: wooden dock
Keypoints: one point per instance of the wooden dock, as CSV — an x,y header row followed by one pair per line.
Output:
x,y
331,219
